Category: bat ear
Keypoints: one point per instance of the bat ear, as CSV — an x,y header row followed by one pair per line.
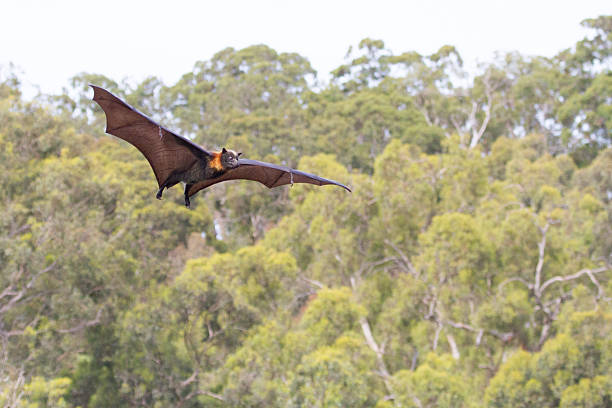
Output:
x,y
224,151
238,154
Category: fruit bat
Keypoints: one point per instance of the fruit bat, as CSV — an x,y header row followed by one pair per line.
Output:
x,y
175,159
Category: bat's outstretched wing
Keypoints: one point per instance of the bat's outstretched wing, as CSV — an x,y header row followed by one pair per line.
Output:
x,y
268,174
166,151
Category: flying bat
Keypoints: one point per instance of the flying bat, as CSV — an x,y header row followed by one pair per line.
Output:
x,y
176,159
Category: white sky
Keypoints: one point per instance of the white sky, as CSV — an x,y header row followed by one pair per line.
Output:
x,y
50,41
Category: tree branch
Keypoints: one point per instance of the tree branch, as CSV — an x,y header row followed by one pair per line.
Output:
x,y
436,336
505,336
408,265
453,345
367,333
312,282
472,116
540,265
20,230
211,395
378,351
83,325
515,279
589,272
490,87
18,295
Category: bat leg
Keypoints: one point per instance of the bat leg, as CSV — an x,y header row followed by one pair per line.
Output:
x,y
170,181
187,187
161,189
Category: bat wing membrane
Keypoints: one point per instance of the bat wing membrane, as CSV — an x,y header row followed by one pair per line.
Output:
x,y
166,151
268,174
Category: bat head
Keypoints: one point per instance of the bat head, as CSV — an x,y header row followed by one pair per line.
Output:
x,y
229,158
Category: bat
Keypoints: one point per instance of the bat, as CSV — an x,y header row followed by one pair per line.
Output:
x,y
176,159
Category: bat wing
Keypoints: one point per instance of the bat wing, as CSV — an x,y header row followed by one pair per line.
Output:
x,y
166,151
268,174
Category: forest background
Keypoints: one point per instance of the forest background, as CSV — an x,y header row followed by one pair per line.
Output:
x,y
470,266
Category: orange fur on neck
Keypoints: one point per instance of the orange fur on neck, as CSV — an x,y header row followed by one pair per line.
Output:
x,y
215,162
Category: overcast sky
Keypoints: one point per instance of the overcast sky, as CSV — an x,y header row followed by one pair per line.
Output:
x,y
50,41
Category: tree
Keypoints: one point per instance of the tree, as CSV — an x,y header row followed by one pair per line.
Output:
x,y
451,276
571,369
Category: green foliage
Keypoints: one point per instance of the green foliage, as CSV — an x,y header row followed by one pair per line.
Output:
x,y
326,376
332,313
433,384
41,393
357,127
571,370
454,248
469,267
588,393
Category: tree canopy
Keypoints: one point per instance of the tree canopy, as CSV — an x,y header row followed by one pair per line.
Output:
x,y
470,267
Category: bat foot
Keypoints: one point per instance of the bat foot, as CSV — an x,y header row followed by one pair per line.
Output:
x,y
187,187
